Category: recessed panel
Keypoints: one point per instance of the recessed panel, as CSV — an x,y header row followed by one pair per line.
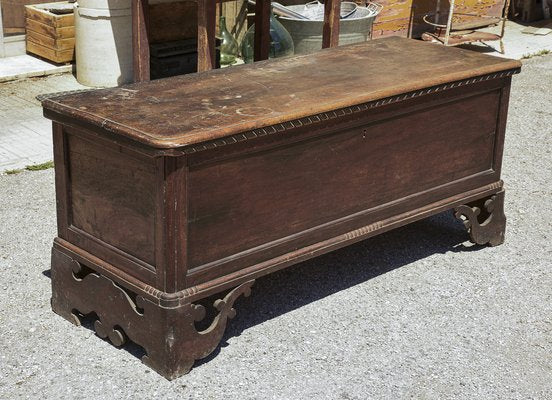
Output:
x,y
113,197
247,201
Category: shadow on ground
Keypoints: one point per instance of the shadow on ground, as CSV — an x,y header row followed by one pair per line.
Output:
x,y
312,280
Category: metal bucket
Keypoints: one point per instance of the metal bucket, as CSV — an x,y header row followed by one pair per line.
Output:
x,y
307,35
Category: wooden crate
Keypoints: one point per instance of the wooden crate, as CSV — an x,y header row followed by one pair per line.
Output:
x,y
51,35
405,17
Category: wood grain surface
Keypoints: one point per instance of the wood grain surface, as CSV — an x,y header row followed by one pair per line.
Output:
x,y
147,232
185,110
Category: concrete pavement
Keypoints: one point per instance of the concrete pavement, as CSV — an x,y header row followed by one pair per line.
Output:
x,y
25,135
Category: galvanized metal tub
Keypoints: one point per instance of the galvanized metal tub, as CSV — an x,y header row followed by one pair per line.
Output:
x,y
307,35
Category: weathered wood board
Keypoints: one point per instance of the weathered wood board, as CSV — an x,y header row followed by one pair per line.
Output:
x,y
404,17
50,35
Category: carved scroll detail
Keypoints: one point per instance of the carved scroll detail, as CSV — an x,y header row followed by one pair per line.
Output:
x,y
484,219
168,335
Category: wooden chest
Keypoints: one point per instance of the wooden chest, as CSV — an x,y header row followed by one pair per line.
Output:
x,y
50,31
175,190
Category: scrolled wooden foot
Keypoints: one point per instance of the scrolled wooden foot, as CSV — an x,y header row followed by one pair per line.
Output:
x,y
184,344
484,219
168,335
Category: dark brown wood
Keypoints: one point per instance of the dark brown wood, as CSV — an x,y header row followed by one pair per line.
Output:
x,y
168,335
206,25
140,41
262,30
172,21
62,179
176,190
484,219
425,161
330,30
171,223
237,100
501,126
110,190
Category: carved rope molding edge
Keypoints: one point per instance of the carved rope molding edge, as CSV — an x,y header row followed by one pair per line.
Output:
x,y
326,116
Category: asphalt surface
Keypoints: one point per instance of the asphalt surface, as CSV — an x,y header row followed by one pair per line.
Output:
x,y
414,313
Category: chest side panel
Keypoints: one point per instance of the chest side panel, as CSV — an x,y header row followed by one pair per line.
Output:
x,y
240,204
112,198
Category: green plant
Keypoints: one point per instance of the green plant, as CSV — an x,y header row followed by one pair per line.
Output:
x,y
39,167
12,171
536,54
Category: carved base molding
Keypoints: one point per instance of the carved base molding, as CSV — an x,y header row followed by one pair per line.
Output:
x,y
484,219
168,335
167,330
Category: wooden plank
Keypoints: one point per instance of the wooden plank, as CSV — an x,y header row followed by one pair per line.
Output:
x,y
46,41
404,17
171,224
51,31
62,179
2,51
206,24
428,159
140,41
262,30
330,31
172,21
49,18
102,183
252,98
58,56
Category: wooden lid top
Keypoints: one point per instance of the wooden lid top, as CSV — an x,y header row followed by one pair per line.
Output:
x,y
191,109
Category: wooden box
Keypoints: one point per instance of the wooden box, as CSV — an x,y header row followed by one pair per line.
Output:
x,y
175,190
50,30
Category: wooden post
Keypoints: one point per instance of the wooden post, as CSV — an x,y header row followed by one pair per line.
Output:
x,y
262,30
330,32
206,26
1,35
140,41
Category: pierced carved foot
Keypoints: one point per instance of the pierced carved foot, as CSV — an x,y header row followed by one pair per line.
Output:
x,y
168,335
484,219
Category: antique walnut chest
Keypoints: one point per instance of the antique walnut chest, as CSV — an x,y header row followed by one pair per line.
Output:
x,y
175,190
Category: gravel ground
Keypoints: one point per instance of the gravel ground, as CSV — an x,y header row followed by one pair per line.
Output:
x,y
413,313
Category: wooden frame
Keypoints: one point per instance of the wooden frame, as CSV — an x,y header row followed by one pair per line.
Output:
x,y
207,29
1,35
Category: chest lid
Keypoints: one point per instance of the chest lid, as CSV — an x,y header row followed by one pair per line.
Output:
x,y
191,109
